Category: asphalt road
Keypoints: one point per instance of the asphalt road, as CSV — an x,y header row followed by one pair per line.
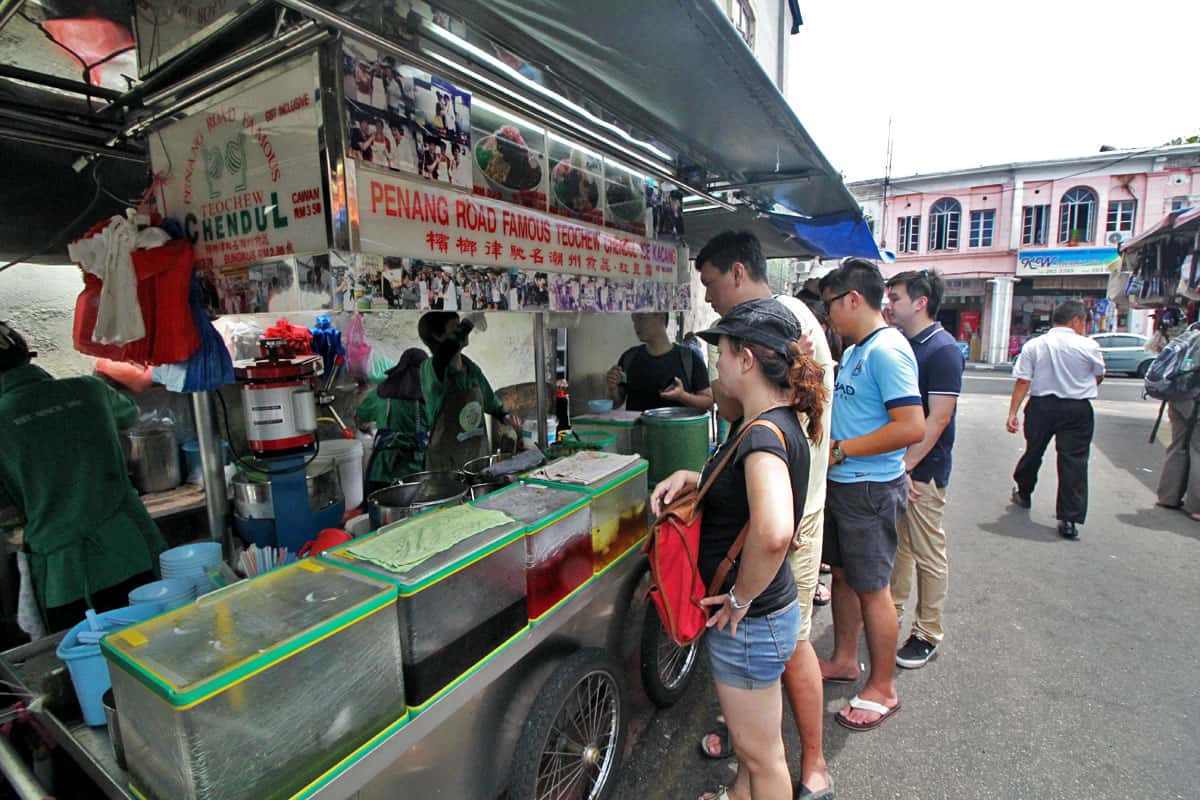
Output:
x,y
1069,669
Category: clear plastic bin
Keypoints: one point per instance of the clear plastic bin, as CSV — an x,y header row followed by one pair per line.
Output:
x,y
626,425
455,608
558,541
255,690
619,515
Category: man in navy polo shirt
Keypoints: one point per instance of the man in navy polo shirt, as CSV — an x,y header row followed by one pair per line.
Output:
x,y
921,546
876,415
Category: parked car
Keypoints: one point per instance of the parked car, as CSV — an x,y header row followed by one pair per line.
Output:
x,y
1124,352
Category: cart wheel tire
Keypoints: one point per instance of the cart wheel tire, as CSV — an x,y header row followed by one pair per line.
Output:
x,y
572,741
666,667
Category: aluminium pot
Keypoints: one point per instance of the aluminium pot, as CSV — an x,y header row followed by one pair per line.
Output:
x,y
153,459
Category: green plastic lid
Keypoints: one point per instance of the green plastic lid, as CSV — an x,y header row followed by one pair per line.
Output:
x,y
674,416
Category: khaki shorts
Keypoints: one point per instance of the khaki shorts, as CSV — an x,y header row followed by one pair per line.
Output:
x,y
806,566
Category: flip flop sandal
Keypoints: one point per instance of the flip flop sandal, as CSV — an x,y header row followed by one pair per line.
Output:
x,y
722,733
825,569
867,705
818,600
861,668
804,793
721,793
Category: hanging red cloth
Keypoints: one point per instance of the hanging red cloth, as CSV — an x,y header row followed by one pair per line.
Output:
x,y
164,277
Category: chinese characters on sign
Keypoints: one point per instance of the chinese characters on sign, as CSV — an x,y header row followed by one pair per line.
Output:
x,y
419,220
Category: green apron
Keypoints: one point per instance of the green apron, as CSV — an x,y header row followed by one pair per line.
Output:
x,y
64,471
460,430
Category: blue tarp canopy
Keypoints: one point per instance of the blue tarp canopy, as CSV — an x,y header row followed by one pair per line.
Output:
x,y
831,236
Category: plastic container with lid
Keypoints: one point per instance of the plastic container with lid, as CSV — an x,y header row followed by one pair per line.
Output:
x,y
558,542
619,501
625,425
675,438
456,607
255,690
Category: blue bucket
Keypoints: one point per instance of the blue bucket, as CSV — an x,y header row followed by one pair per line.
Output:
x,y
191,460
89,670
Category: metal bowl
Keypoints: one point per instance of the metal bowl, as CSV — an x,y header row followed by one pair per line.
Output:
x,y
411,497
478,490
252,499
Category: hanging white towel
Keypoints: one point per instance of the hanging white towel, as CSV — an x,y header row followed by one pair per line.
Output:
x,y
107,256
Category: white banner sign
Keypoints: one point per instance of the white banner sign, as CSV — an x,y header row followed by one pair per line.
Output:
x,y
243,174
411,218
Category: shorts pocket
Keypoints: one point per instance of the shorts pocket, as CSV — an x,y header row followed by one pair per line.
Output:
x,y
784,627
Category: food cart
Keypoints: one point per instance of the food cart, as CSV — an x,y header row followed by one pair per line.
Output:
x,y
325,156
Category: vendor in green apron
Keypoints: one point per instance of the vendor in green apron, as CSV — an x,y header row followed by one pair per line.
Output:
x,y
87,536
457,395
397,408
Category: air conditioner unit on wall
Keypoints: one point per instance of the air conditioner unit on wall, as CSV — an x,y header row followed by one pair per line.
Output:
x,y
1117,237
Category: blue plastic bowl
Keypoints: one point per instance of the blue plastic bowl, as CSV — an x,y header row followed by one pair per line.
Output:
x,y
89,670
602,406
169,593
200,554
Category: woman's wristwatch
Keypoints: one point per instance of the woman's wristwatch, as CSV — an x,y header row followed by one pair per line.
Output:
x,y
839,456
735,604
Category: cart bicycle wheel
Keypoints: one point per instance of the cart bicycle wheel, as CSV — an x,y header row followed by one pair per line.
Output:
x,y
666,667
571,744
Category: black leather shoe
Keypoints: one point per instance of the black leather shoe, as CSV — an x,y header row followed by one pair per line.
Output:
x,y
1021,499
1068,530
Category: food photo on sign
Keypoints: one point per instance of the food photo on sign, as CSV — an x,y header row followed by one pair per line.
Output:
x,y
624,199
400,118
576,181
510,157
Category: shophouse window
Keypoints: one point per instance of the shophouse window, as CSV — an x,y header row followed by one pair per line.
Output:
x,y
1035,224
908,234
944,220
1077,216
982,224
743,20
1178,203
1120,216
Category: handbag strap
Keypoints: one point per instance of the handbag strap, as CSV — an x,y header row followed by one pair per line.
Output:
x,y
735,550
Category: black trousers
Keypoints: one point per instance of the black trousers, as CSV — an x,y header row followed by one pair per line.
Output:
x,y
1071,424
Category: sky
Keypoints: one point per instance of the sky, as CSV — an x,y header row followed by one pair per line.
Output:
x,y
968,83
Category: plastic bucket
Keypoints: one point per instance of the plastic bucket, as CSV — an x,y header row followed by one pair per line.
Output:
x,y
676,438
89,670
347,456
192,472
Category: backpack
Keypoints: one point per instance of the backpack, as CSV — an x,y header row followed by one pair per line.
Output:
x,y
1175,373
673,548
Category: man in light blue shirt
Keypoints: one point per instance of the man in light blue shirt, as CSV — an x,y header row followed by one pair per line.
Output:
x,y
877,414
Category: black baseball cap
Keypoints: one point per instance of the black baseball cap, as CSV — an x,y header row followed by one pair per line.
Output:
x,y
764,321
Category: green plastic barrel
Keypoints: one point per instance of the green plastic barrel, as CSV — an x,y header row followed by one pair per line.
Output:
x,y
675,438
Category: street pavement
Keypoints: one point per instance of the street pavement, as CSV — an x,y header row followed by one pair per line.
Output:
x,y
1069,669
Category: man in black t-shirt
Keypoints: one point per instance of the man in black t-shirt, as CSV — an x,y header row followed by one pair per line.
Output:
x,y
658,374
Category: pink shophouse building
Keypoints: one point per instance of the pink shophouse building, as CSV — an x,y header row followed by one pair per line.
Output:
x,y
1014,240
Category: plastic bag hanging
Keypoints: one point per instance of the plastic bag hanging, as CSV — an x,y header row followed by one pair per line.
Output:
x,y
210,367
358,352
327,342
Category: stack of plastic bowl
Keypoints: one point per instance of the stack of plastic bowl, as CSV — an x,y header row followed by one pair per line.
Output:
x,y
166,594
189,562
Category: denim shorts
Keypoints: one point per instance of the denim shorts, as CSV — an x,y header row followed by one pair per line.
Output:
x,y
757,655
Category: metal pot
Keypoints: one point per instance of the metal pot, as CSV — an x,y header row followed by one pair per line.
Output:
x,y
406,499
153,455
252,499
478,490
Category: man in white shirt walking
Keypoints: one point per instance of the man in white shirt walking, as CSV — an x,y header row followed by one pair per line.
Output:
x,y
1060,371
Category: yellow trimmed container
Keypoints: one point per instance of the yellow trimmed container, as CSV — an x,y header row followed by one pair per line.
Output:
x,y
455,608
255,690
619,500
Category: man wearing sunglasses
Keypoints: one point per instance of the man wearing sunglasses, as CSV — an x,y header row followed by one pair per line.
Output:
x,y
877,413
